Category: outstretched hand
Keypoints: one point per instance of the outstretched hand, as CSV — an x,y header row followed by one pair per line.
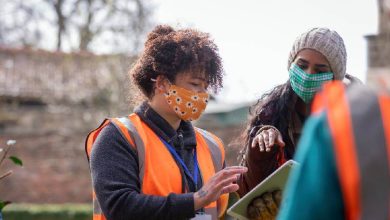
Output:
x,y
222,182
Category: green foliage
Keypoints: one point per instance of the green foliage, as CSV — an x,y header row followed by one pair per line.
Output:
x,y
16,160
48,212
3,154
3,204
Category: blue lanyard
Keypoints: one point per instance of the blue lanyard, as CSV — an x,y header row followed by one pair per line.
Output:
x,y
194,176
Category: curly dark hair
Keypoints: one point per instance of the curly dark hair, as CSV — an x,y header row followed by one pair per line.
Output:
x,y
169,52
273,108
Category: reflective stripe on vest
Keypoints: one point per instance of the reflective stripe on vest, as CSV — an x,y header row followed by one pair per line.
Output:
x,y
359,122
218,153
151,150
215,150
138,143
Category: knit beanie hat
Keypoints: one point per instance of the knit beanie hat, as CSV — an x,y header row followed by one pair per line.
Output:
x,y
328,43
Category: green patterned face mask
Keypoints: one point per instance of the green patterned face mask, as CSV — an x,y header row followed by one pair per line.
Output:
x,y
306,85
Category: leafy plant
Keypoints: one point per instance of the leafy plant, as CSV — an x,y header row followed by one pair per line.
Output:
x,y
3,156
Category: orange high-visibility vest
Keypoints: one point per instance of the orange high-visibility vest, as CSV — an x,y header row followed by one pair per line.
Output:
x,y
359,122
165,178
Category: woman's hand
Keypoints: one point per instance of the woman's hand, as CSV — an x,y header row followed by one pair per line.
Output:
x,y
268,138
222,182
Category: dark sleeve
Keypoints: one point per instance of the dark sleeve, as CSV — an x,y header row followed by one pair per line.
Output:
x,y
114,169
260,165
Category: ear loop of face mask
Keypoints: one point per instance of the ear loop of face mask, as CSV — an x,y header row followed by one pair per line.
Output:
x,y
155,80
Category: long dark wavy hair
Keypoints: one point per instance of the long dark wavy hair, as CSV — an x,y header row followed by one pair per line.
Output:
x,y
273,108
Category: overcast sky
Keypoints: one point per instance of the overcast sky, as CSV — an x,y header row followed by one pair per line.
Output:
x,y
255,36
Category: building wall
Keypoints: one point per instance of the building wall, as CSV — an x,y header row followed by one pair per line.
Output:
x,y
48,104
378,50
378,71
50,141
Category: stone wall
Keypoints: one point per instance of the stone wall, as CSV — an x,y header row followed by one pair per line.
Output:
x,y
50,141
378,48
48,104
378,51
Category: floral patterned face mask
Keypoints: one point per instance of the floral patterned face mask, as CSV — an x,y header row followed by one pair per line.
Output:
x,y
187,104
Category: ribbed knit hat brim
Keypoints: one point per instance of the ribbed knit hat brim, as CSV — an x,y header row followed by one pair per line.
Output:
x,y
328,43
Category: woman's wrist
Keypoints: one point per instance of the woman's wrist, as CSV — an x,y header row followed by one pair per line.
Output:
x,y
266,127
199,199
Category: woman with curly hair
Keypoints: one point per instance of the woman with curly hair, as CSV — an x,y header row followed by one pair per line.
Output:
x,y
275,123
154,164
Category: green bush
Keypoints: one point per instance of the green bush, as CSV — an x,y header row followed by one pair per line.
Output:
x,y
48,212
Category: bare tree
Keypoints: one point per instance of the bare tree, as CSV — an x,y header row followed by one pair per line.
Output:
x,y
58,5
94,25
19,23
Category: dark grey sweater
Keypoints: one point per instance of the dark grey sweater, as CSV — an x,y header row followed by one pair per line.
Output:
x,y
114,168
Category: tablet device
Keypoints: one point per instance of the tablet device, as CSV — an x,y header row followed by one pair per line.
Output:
x,y
276,180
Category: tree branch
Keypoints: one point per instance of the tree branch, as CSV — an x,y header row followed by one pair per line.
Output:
x,y
5,154
6,174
